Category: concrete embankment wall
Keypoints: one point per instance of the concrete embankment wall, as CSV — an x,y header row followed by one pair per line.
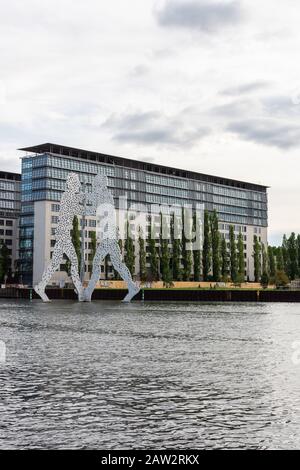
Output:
x,y
168,295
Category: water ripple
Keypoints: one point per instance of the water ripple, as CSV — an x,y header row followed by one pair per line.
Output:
x,y
109,376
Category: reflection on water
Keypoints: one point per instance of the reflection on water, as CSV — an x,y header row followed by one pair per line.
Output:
x,y
112,376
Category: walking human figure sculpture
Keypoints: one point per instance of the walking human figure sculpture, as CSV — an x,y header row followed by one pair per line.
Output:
x,y
102,203
69,207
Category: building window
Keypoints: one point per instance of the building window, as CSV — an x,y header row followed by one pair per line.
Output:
x,y
54,219
1,222
55,207
8,233
9,223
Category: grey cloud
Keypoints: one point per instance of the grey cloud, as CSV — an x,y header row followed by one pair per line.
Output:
x,y
281,105
267,132
202,15
154,128
139,71
245,89
131,120
231,109
145,137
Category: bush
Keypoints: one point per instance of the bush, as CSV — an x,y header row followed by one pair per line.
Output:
x,y
281,279
264,280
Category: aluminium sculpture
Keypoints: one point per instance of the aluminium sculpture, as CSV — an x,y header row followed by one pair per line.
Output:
x,y
100,202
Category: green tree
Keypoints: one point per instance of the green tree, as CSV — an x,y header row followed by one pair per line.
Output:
x,y
264,279
186,254
257,259
142,256
241,258
264,256
129,250
271,261
215,245
17,264
224,260
5,262
176,255
93,244
206,255
265,268
233,255
279,259
117,276
196,253
285,254
298,251
292,249
154,274
164,257
76,238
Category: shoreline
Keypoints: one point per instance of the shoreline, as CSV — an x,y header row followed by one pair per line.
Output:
x,y
164,295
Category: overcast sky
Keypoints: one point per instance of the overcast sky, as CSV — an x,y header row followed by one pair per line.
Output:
x,y
207,85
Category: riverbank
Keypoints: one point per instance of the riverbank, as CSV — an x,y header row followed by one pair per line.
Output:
x,y
167,295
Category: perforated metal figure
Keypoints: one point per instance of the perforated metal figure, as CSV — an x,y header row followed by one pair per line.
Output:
x,y
102,203
69,207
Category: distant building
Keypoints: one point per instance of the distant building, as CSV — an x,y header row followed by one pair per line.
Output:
x,y
44,171
10,208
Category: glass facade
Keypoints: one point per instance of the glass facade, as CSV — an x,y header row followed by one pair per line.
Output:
x,y
10,206
26,223
44,176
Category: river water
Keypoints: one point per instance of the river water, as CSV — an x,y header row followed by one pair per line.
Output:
x,y
156,375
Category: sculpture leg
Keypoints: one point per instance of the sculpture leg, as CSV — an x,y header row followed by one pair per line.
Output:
x,y
116,259
99,257
71,254
56,260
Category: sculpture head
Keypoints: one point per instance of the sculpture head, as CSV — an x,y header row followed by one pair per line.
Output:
x,y
73,182
100,181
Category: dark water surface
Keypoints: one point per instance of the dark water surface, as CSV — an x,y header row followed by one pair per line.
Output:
x,y
155,375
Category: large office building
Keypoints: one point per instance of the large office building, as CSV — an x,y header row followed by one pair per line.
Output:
x,y
44,171
10,207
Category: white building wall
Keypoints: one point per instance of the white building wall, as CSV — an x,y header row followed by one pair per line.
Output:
x,y
41,243
43,225
248,231
262,235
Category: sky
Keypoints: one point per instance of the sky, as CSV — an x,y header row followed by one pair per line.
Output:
x,y
206,85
